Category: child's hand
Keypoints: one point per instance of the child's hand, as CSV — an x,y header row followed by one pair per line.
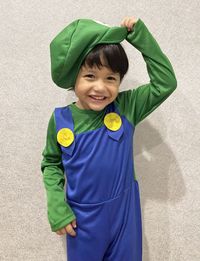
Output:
x,y
69,229
129,22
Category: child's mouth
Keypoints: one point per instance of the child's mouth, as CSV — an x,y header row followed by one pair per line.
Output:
x,y
97,98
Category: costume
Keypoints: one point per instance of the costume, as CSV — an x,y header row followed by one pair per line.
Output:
x,y
102,191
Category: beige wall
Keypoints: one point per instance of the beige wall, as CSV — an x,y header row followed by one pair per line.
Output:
x,y
167,143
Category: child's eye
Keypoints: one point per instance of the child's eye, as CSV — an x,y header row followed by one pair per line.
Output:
x,y
111,78
89,76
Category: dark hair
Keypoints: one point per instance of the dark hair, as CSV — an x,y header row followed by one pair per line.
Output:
x,y
114,56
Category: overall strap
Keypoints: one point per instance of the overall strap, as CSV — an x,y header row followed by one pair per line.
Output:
x,y
63,118
115,135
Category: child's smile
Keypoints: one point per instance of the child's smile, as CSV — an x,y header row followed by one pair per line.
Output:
x,y
96,88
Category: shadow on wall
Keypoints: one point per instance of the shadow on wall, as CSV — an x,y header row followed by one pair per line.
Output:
x,y
160,181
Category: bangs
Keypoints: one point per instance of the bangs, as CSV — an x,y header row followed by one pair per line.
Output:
x,y
113,55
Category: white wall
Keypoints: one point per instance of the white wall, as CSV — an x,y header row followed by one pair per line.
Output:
x,y
167,143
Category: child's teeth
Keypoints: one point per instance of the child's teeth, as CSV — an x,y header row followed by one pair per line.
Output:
x,y
98,98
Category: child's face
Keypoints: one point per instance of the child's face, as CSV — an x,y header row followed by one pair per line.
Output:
x,y
96,88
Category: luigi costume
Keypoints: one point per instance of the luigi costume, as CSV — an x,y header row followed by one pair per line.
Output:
x,y
88,167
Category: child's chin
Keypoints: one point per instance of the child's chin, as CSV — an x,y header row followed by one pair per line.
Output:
x,y
97,108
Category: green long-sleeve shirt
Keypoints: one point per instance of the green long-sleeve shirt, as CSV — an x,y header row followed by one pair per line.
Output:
x,y
135,105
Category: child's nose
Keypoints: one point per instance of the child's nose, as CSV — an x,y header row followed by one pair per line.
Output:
x,y
99,85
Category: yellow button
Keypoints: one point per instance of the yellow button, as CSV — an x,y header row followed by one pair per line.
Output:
x,y
112,121
65,137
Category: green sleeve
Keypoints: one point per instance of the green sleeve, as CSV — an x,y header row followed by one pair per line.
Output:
x,y
59,212
136,104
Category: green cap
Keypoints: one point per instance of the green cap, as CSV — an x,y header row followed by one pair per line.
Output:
x,y
69,48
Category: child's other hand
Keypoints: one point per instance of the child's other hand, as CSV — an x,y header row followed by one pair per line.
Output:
x,y
129,22
69,229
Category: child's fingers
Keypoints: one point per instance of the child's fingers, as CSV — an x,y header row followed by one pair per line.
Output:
x,y
69,229
61,231
74,223
128,22
124,21
58,232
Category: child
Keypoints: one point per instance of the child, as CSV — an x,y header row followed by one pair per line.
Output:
x,y
90,142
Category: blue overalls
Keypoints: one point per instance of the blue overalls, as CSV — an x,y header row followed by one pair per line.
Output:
x,y
102,192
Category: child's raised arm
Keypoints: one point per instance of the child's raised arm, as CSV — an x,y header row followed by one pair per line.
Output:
x,y
138,103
